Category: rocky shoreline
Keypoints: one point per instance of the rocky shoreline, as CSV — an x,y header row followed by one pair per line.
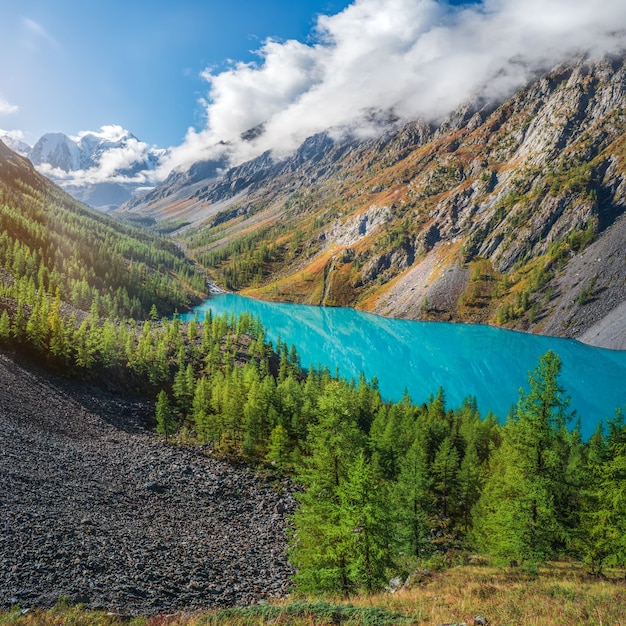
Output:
x,y
95,509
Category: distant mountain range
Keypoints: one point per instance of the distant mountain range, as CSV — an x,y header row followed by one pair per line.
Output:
x,y
507,213
103,170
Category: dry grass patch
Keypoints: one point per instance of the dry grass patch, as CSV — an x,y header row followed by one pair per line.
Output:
x,y
557,594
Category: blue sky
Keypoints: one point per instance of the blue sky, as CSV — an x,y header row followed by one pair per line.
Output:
x,y
192,76
71,65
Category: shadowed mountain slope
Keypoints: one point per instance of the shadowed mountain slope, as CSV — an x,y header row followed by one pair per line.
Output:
x,y
49,241
96,510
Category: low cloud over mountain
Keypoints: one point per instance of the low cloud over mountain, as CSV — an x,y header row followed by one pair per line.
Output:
x,y
376,62
102,168
411,58
111,154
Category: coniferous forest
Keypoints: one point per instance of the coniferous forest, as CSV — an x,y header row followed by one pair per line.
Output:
x,y
383,486
50,243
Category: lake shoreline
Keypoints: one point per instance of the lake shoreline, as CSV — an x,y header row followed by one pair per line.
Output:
x,y
609,333
486,362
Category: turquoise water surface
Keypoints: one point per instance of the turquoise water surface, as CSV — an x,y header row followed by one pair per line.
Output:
x,y
489,363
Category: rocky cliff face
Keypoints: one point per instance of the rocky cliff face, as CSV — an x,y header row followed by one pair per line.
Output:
x,y
494,216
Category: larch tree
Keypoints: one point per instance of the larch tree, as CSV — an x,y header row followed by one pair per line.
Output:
x,y
444,470
413,502
5,326
320,549
366,524
279,447
469,480
603,536
165,420
517,516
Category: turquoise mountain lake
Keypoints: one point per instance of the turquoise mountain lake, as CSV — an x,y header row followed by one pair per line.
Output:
x,y
488,363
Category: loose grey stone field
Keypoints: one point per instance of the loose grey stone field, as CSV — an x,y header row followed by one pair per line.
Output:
x,y
95,509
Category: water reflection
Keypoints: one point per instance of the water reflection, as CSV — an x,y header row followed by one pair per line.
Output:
x,y
489,363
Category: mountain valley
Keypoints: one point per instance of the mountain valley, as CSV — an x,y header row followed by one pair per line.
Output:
x,y
155,463
506,215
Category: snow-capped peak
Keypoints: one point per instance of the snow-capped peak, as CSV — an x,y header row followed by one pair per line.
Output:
x,y
14,140
109,157
58,151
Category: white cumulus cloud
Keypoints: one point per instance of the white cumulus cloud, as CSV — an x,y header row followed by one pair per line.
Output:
x,y
112,155
110,132
6,108
417,58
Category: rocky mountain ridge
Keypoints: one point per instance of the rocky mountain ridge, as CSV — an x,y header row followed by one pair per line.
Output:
x,y
478,219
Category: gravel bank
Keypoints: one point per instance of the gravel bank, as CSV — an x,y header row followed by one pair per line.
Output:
x,y
609,332
95,509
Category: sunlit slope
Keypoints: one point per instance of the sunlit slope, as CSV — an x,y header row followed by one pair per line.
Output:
x,y
50,242
477,219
